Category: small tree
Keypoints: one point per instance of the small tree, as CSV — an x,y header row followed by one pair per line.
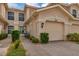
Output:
x,y
16,44
15,35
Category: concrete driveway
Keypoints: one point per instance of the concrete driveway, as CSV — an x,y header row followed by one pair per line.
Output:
x,y
61,48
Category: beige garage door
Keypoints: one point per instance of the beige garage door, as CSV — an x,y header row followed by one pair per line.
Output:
x,y
75,28
55,30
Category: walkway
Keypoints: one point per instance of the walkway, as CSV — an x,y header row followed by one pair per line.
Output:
x,y
3,45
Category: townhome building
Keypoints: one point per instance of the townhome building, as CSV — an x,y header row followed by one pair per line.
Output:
x,y
16,20
3,21
56,19
11,19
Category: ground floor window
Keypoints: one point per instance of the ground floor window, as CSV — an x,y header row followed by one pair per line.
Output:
x,y
10,29
21,28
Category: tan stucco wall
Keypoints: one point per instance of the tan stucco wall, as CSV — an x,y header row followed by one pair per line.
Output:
x,y
32,27
2,10
28,12
52,14
75,28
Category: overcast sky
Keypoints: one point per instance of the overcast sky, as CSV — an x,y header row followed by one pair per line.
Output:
x,y
21,5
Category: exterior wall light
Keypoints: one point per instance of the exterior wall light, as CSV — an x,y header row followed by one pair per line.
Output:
x,y
42,25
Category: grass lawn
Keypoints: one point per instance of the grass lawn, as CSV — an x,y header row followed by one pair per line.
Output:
x,y
20,51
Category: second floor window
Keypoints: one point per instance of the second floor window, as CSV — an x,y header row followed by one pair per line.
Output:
x,y
21,17
74,13
10,15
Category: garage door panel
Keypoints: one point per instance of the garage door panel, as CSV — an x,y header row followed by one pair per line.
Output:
x,y
55,31
75,28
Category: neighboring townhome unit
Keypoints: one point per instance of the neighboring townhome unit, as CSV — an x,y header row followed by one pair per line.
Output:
x,y
3,20
16,20
56,19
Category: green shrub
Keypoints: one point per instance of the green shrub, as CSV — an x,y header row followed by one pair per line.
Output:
x,y
16,44
31,37
15,35
44,37
73,37
3,35
35,40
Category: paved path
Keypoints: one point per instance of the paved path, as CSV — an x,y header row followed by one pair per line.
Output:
x,y
62,48
3,45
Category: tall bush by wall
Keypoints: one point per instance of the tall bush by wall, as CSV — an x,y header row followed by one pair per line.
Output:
x,y
44,37
15,35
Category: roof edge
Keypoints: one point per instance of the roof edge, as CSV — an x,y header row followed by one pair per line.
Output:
x,y
40,10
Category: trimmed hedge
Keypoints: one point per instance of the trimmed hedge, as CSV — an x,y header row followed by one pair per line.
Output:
x,y
34,39
73,37
3,36
44,37
15,35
